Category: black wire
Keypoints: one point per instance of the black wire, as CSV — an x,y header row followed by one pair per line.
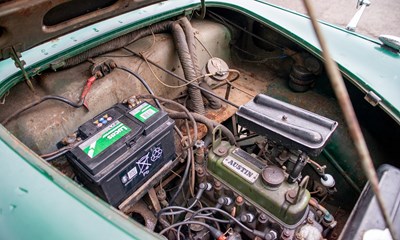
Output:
x,y
185,175
184,178
56,155
183,79
163,212
224,213
43,99
184,223
183,209
142,81
224,20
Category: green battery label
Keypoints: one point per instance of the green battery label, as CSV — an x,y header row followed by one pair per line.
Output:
x,y
144,112
105,138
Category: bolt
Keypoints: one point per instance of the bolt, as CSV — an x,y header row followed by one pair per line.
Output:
x,y
222,150
284,117
199,144
239,200
217,184
292,194
262,217
98,74
286,233
284,155
161,193
113,64
200,171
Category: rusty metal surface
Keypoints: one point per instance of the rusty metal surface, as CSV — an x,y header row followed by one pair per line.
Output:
x,y
43,126
154,200
143,210
41,133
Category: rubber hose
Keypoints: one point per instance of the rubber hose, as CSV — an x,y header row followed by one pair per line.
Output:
x,y
189,32
180,115
187,65
181,46
213,102
206,121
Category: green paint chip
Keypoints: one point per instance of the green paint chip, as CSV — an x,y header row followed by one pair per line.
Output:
x,y
104,139
144,112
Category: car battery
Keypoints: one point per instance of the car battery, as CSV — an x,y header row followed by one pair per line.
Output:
x,y
121,149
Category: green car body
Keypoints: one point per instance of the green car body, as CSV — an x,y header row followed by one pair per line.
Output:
x,y
37,202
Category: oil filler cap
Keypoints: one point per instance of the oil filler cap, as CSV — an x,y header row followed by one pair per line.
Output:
x,y
273,176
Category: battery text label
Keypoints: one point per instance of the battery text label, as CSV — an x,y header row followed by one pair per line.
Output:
x,y
144,112
104,139
118,131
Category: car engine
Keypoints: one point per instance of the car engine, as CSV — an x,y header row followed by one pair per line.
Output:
x,y
167,132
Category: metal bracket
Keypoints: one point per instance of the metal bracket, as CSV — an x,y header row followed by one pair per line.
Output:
x,y
361,5
217,137
372,98
202,13
15,55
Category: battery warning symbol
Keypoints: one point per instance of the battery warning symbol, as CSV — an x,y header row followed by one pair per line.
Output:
x,y
156,154
145,162
144,165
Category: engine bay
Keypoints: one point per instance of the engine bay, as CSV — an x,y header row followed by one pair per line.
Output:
x,y
215,128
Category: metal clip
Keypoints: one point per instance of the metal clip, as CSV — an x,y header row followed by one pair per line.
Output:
x,y
217,137
20,64
372,98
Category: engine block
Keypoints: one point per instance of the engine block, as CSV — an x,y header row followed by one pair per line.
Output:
x,y
260,185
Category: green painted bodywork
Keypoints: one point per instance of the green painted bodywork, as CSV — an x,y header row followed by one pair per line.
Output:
x,y
37,202
361,59
271,200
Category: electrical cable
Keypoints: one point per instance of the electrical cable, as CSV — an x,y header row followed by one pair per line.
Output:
x,y
204,47
226,214
184,223
172,86
230,82
192,175
227,81
43,99
225,21
184,178
210,124
183,79
320,170
191,118
51,156
142,81
183,209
